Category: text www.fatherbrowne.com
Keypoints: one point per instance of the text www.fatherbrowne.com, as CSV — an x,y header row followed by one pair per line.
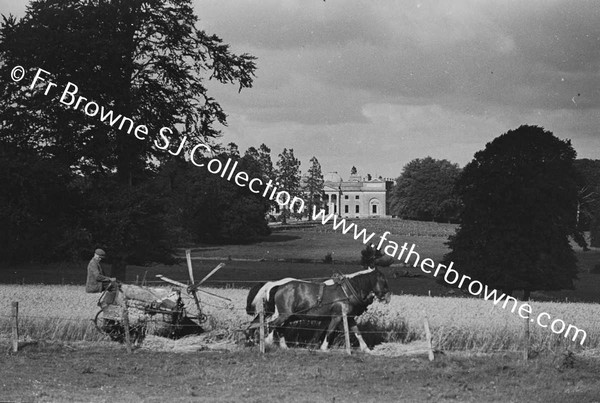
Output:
x,y
451,276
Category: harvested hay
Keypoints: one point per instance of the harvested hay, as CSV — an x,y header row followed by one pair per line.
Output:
x,y
399,349
188,344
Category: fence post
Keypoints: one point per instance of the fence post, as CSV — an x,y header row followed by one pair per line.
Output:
x,y
346,333
126,326
428,337
261,330
15,326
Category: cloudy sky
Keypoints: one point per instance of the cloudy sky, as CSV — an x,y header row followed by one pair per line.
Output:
x,y
376,84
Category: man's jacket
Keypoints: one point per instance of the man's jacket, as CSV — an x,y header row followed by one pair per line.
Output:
x,y
95,277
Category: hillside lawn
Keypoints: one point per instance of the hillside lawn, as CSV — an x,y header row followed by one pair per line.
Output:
x,y
298,251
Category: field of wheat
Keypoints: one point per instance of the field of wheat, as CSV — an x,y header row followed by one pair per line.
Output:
x,y
65,313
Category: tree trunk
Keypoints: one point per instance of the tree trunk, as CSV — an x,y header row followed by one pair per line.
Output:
x,y
526,294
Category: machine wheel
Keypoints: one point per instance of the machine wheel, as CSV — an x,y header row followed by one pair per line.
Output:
x,y
109,326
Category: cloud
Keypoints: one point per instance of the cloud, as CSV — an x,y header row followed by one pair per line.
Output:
x,y
376,84
465,55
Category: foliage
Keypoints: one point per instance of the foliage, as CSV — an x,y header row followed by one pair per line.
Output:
x,y
144,59
313,187
205,207
520,200
424,191
40,210
128,222
263,157
589,198
288,176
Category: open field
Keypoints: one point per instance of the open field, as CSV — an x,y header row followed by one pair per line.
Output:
x,y
61,367
101,373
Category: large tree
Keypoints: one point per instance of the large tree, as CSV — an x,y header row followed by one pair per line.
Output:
x,y
288,176
263,157
520,203
313,186
41,214
143,59
206,208
588,211
424,191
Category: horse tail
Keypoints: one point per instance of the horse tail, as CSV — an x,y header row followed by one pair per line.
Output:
x,y
250,307
270,302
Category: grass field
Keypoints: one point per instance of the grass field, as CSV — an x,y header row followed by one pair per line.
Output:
x,y
283,252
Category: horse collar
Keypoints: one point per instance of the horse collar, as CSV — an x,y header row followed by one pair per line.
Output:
x,y
350,292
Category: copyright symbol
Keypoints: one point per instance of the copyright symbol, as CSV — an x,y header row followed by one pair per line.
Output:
x,y
17,73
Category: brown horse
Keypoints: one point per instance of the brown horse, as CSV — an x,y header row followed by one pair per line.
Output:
x,y
297,300
262,296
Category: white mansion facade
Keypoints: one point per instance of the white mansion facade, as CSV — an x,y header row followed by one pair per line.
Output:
x,y
357,197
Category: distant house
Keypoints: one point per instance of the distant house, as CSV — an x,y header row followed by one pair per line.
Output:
x,y
356,197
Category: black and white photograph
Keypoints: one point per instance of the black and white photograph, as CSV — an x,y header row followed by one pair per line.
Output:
x,y
299,201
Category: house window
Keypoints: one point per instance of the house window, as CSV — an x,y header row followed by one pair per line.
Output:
x,y
374,203
357,208
346,197
346,208
357,197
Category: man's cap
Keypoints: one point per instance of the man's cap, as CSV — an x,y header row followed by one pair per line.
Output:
x,y
100,252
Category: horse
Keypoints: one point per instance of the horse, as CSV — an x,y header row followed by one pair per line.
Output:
x,y
264,291
351,295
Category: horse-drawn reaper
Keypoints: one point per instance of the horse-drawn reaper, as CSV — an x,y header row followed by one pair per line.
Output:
x,y
155,310
290,299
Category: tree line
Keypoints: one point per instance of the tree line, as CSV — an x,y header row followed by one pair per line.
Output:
x,y
519,203
429,189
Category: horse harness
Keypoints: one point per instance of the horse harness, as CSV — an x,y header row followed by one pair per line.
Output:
x,y
347,288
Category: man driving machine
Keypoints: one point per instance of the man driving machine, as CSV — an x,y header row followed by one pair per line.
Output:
x,y
97,281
